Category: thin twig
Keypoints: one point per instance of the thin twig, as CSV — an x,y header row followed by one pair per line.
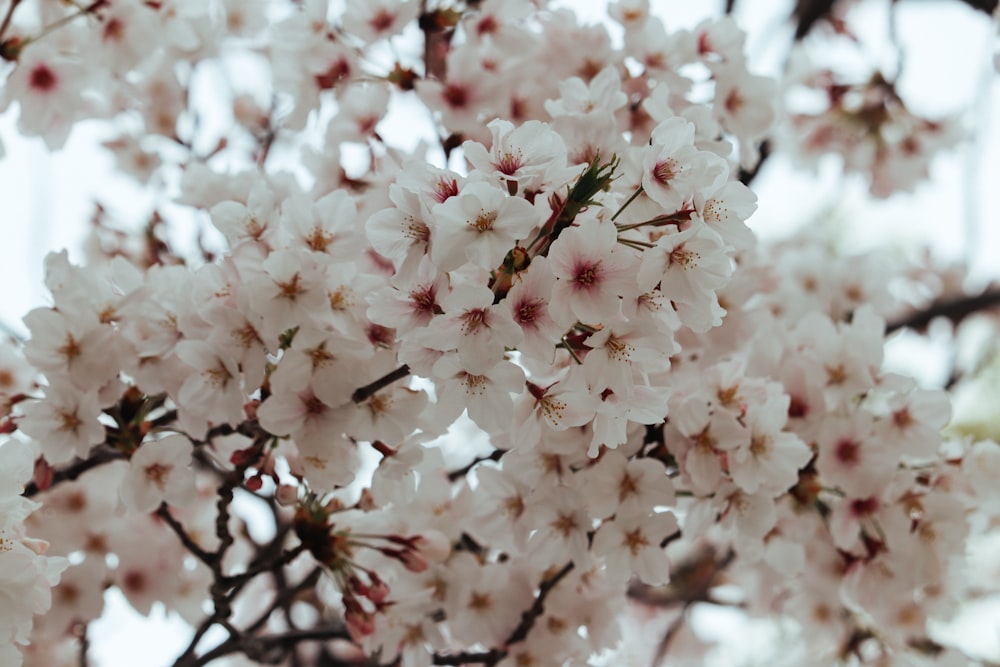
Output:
x,y
746,176
456,475
519,634
84,646
204,556
8,16
675,626
955,310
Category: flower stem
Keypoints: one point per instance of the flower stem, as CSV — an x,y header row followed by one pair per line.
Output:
x,y
638,191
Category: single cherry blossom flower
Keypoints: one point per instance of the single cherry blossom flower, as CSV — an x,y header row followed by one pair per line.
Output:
x,y
528,157
64,422
674,171
480,225
631,487
630,544
159,471
592,274
528,301
474,326
484,393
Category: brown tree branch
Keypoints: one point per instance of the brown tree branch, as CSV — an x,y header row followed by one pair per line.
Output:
x,y
363,393
8,16
204,556
100,455
528,618
458,474
746,176
955,310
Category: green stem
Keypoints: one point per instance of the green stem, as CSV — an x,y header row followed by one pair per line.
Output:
x,y
638,191
638,245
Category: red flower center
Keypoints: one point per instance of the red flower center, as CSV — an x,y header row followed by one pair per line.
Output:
x,y
848,451
42,78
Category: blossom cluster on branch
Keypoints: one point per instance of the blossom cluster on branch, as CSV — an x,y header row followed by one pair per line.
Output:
x,y
656,406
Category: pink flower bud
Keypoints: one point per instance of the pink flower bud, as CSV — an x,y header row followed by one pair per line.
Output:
x,y
358,586
43,474
433,545
412,560
244,456
379,590
359,622
254,483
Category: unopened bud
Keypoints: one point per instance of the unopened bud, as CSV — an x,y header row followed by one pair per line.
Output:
x,y
412,560
244,456
433,545
43,474
360,623
379,590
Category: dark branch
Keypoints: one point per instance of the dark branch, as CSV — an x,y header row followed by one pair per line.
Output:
x,y
668,636
988,6
456,475
293,637
807,13
99,456
204,556
528,619
746,176
955,310
363,393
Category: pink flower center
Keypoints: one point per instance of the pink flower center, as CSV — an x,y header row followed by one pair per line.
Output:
x,y
114,30
848,452
314,406
484,221
587,275
681,257
665,171
423,300
416,230
291,289
472,320
382,20
445,188
42,78
527,312
157,473
509,163
456,95
635,541
487,25
734,101
864,507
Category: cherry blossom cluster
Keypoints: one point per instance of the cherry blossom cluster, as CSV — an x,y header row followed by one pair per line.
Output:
x,y
869,125
27,574
492,394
